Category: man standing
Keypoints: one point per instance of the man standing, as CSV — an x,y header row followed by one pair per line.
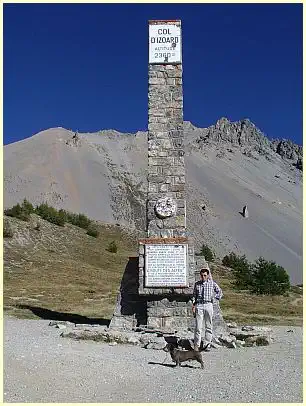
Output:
x,y
202,307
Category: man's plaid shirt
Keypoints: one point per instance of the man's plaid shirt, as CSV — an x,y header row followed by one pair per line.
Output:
x,y
204,291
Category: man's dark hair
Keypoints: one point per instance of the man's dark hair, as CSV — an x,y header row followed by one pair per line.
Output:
x,y
204,270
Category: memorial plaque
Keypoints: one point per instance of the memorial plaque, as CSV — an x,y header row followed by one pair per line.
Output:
x,y
166,265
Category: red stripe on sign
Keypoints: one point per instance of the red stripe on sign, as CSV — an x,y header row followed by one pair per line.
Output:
x,y
163,21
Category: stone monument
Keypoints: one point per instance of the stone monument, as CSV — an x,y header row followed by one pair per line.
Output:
x,y
158,293
166,256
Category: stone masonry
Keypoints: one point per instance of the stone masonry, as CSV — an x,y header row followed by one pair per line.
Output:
x,y
166,166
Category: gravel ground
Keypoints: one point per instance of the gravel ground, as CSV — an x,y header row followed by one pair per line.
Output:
x,y
40,366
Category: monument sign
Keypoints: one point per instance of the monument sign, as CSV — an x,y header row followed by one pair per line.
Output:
x,y
165,42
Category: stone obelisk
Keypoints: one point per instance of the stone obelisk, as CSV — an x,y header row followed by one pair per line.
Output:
x,y
166,257
158,292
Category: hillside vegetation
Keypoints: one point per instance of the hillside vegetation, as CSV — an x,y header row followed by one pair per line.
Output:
x,y
63,269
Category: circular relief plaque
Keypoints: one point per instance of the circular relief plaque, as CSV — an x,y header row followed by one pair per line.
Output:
x,y
165,207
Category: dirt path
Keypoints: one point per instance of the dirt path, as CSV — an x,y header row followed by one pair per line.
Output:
x,y
40,366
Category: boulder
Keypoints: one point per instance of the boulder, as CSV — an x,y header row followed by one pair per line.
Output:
x,y
239,343
158,343
257,341
61,326
247,328
262,340
228,341
232,325
243,334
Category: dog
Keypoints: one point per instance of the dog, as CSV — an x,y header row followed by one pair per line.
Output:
x,y
179,356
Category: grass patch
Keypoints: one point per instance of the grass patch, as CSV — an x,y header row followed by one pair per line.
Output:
x,y
62,269
244,307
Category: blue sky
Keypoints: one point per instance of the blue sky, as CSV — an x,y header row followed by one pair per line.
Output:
x,y
85,66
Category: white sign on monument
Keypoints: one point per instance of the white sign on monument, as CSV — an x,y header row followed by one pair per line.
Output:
x,y
166,265
165,42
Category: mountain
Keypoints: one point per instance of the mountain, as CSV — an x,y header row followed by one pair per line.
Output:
x,y
228,165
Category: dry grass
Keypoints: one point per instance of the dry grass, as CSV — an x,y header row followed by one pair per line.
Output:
x,y
243,307
65,270
62,269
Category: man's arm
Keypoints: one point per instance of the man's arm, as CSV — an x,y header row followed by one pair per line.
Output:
x,y
218,291
195,294
194,297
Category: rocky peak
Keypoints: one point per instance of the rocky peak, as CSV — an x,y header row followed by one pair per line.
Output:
x,y
245,134
222,123
242,132
189,126
287,149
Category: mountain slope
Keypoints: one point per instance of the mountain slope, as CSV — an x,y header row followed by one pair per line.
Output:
x,y
228,165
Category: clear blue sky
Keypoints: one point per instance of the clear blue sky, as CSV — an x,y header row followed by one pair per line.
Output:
x,y
85,66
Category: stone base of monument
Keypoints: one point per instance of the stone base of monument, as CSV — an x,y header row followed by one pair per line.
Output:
x,y
176,315
170,314
163,309
131,308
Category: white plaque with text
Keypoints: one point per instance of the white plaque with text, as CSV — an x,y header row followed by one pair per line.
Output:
x,y
166,265
165,42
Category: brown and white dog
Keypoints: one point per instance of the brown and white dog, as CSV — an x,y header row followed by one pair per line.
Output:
x,y
179,356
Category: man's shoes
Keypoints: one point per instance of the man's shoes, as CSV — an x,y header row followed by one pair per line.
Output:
x,y
207,347
196,348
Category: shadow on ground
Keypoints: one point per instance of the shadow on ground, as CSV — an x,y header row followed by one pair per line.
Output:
x,y
170,365
59,316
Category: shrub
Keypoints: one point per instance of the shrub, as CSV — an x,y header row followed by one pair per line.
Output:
x,y
71,218
112,247
42,210
93,232
50,214
63,214
14,211
229,260
27,207
79,220
269,278
83,221
242,270
61,217
18,212
207,253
